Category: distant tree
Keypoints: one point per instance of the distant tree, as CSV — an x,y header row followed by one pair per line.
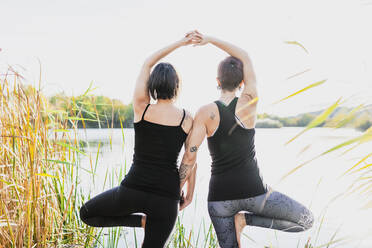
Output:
x,y
305,119
364,125
94,111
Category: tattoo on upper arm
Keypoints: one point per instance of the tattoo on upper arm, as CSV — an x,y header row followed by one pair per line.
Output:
x,y
212,116
193,149
183,171
248,95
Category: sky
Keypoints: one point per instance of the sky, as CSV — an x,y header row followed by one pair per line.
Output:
x,y
105,43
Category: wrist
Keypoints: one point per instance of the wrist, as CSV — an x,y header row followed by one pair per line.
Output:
x,y
180,43
189,197
209,39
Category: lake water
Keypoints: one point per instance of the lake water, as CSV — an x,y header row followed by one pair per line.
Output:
x,y
313,185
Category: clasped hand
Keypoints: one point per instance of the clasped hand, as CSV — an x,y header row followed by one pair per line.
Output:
x,y
195,38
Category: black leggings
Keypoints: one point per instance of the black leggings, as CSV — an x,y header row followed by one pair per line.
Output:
x,y
116,207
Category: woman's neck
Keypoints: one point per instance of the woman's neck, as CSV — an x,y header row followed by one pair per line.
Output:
x,y
227,96
165,101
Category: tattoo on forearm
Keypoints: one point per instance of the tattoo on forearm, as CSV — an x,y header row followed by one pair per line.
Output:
x,y
183,171
193,149
212,116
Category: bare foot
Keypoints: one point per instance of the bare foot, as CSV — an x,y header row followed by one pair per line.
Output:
x,y
143,221
239,225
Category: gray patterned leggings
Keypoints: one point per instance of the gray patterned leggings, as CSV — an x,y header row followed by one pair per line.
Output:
x,y
270,210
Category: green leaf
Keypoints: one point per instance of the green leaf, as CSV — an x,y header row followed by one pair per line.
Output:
x,y
302,90
359,162
79,119
323,116
57,161
350,116
89,89
318,120
56,111
297,44
45,175
71,147
61,130
298,74
365,137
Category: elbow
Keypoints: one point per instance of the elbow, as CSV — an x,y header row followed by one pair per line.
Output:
x,y
245,57
308,220
148,63
255,98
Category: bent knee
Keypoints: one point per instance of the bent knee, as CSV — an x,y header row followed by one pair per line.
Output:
x,y
307,220
83,213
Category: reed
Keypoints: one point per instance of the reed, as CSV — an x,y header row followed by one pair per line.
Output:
x,y
38,171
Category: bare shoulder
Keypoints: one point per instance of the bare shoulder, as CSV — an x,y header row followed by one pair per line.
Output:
x,y
207,111
187,122
138,109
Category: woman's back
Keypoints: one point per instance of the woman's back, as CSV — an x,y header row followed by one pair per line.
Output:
x,y
235,173
159,137
149,195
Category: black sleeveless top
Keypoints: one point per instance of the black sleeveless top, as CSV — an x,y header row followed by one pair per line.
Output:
x,y
235,174
156,149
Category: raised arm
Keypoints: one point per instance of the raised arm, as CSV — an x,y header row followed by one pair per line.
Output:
x,y
141,95
249,79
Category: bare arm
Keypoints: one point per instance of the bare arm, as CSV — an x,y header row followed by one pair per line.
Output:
x,y
190,188
141,95
193,142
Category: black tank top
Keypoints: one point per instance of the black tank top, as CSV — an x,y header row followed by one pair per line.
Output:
x,y
156,149
235,174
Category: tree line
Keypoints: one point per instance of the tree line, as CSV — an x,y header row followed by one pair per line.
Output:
x,y
103,112
93,111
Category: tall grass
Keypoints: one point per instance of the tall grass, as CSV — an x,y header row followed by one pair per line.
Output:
x,y
38,171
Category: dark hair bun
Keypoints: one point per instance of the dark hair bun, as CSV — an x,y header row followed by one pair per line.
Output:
x,y
230,73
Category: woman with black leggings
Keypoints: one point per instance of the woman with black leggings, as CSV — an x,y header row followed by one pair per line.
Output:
x,y
152,186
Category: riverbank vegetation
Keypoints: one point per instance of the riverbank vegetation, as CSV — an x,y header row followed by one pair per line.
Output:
x,y
94,111
38,196
359,118
103,112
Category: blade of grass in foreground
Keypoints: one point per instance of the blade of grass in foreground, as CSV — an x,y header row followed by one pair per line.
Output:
x,y
365,137
350,116
45,175
296,43
359,162
318,120
298,74
71,147
302,90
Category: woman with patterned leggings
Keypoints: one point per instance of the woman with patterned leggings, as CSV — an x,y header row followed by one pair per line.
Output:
x,y
236,184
